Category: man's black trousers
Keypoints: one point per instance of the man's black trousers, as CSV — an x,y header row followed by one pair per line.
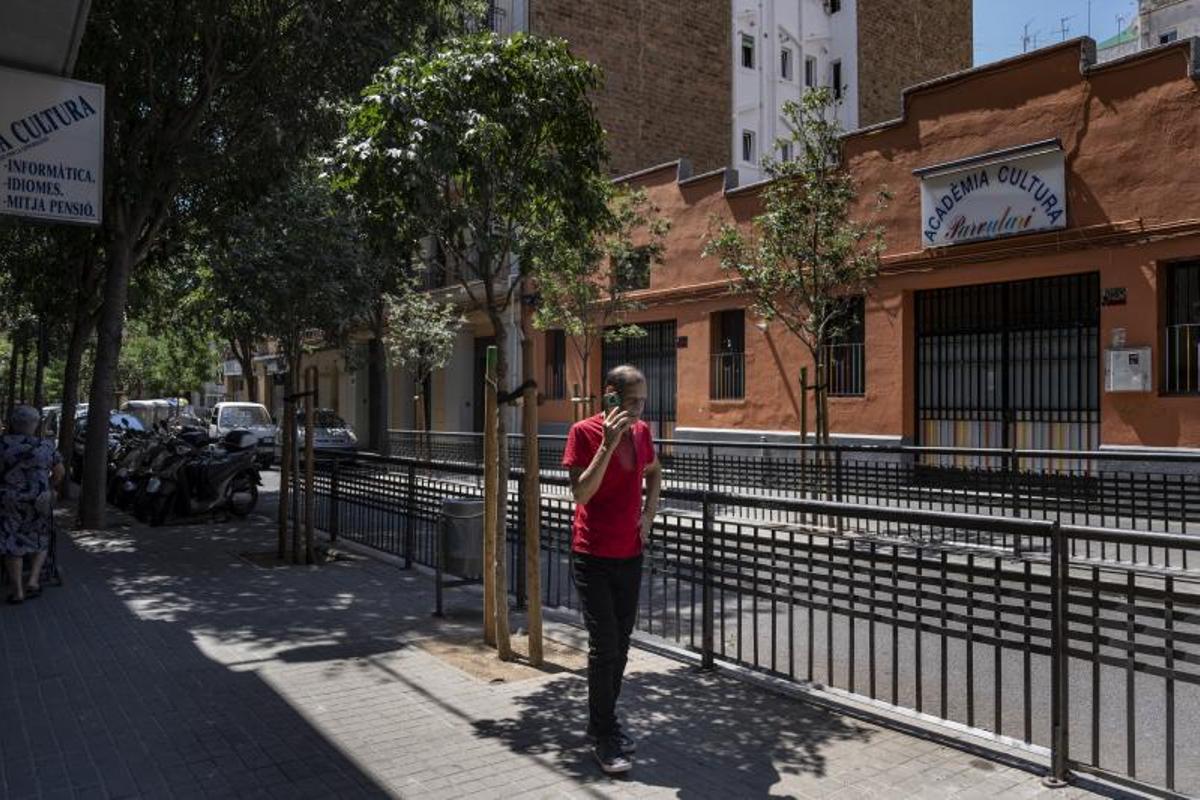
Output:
x,y
608,596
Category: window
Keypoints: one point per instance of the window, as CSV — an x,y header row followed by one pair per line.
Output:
x,y
1168,37
844,358
834,6
748,146
747,51
727,378
785,63
1181,349
634,273
785,151
835,78
555,387
810,72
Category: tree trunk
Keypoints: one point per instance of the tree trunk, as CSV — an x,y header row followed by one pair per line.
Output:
x,y
244,356
25,343
108,352
502,630
293,384
39,372
377,386
14,341
285,462
81,331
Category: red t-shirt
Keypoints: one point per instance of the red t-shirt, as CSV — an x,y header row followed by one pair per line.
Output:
x,y
607,525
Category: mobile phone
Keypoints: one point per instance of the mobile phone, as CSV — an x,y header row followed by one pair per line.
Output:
x,y
611,400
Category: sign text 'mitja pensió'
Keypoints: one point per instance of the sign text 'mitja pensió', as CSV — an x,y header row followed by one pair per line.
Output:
x,y
51,147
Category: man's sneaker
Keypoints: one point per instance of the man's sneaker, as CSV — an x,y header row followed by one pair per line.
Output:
x,y
625,742
610,757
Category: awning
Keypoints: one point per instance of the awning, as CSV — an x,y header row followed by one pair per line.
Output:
x,y
42,35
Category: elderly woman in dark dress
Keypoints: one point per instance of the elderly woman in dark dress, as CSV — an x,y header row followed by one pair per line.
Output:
x,y
30,469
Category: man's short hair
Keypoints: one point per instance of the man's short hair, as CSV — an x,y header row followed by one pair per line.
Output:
x,y
623,376
24,420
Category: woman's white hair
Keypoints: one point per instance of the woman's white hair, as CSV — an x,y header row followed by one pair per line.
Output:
x,y
24,420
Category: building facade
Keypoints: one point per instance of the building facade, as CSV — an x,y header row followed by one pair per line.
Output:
x,y
867,51
1157,22
1041,287
667,77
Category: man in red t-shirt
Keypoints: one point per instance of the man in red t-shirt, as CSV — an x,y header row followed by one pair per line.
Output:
x,y
609,455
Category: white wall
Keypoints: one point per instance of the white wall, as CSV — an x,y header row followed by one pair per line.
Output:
x,y
844,29
759,94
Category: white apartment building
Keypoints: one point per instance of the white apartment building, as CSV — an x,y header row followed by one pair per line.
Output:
x,y
781,48
1157,22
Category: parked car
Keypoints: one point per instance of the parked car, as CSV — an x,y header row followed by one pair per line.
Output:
x,y
52,418
253,417
118,424
330,432
150,412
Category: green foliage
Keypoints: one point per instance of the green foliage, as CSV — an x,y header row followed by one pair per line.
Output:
x,y
296,264
491,145
583,288
420,331
163,362
804,254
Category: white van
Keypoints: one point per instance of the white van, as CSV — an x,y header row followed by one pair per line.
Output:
x,y
252,417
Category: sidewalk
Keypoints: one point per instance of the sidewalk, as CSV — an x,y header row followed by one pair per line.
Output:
x,y
172,666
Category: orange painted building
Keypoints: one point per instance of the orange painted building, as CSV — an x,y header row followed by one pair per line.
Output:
x,y
1044,293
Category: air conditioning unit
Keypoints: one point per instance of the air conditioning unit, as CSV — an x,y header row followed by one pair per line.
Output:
x,y
1127,369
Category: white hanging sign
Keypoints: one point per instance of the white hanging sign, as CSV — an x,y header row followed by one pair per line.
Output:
x,y
999,194
51,147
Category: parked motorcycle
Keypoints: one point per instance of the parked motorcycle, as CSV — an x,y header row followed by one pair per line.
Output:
x,y
217,478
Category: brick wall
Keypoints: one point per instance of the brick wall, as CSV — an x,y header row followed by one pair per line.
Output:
x,y
905,42
667,65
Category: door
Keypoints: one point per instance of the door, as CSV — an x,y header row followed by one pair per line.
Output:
x,y
1013,365
654,354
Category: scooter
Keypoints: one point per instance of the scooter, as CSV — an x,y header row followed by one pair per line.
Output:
x,y
221,477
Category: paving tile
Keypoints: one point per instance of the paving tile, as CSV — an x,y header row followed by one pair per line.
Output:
x,y
186,672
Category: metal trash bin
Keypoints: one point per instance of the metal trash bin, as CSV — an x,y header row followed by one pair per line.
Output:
x,y
461,539
459,546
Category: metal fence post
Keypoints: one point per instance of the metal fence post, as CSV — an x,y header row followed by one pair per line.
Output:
x,y
520,554
706,644
334,490
1013,461
837,481
410,516
1060,568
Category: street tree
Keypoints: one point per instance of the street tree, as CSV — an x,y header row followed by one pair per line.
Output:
x,y
420,336
299,263
805,257
491,146
585,290
208,103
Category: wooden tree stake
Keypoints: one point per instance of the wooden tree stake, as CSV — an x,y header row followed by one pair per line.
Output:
x,y
531,497
490,480
309,457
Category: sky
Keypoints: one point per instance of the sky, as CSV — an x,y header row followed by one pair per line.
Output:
x,y
1000,24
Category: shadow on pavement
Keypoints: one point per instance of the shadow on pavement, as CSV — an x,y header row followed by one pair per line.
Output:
x,y
703,735
115,702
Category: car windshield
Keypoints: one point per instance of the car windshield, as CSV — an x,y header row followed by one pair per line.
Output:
x,y
244,417
117,421
325,418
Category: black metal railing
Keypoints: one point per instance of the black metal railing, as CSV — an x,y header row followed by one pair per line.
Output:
x,y
1181,359
1029,638
727,379
1118,489
845,369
